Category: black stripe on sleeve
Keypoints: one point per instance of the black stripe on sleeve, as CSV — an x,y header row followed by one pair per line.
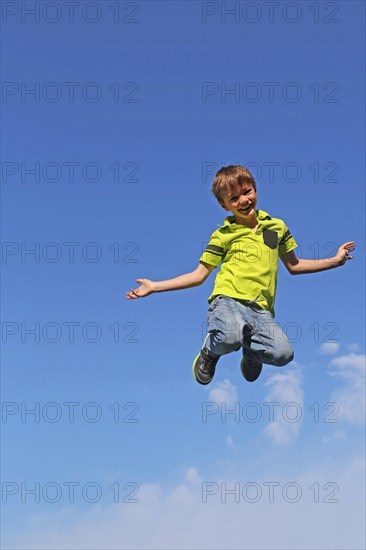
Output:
x,y
213,249
286,237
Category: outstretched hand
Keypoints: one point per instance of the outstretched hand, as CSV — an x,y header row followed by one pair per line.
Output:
x,y
146,287
343,253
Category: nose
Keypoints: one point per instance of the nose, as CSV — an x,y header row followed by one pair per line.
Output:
x,y
243,200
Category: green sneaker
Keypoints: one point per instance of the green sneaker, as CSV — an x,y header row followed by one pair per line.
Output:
x,y
250,368
204,366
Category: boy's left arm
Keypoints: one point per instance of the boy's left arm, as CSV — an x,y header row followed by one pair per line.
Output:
x,y
296,266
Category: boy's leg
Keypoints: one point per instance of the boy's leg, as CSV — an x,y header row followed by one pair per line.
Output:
x,y
225,327
250,365
266,341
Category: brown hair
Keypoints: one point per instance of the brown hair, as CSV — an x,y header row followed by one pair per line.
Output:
x,y
229,177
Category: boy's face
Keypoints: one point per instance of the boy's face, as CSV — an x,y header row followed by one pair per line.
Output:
x,y
241,201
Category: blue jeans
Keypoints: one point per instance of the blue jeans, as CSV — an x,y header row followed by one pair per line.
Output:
x,y
235,324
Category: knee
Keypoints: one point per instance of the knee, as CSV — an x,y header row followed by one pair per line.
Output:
x,y
225,342
228,334
283,356
232,339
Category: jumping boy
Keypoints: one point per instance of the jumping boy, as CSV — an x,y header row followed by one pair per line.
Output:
x,y
241,311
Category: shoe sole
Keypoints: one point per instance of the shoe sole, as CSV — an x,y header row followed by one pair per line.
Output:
x,y
194,372
250,378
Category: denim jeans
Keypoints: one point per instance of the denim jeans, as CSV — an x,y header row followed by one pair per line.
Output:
x,y
235,324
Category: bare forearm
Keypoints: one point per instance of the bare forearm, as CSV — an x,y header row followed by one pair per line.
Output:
x,y
188,280
194,278
314,266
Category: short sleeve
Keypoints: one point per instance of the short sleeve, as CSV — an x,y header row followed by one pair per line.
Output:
x,y
214,251
287,242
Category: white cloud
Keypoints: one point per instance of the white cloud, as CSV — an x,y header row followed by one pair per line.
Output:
x,y
338,435
224,392
192,476
351,365
286,396
328,348
350,369
330,500
230,443
354,347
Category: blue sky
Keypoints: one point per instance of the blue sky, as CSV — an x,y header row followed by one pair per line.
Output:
x,y
120,190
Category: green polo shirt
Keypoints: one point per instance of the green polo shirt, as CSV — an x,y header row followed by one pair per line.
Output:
x,y
249,259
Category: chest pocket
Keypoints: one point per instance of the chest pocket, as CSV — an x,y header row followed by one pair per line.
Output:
x,y
270,238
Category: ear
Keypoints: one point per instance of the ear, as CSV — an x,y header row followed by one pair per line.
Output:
x,y
223,206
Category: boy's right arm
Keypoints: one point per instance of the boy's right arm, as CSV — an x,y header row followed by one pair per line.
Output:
x,y
188,280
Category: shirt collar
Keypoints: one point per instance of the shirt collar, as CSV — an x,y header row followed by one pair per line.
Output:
x,y
261,215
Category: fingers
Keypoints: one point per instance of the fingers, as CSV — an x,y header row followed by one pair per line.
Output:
x,y
132,295
349,244
349,247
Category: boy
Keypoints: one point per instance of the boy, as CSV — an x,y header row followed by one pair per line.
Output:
x,y
241,312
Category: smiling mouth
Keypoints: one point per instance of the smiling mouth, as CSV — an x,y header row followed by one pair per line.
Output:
x,y
246,210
